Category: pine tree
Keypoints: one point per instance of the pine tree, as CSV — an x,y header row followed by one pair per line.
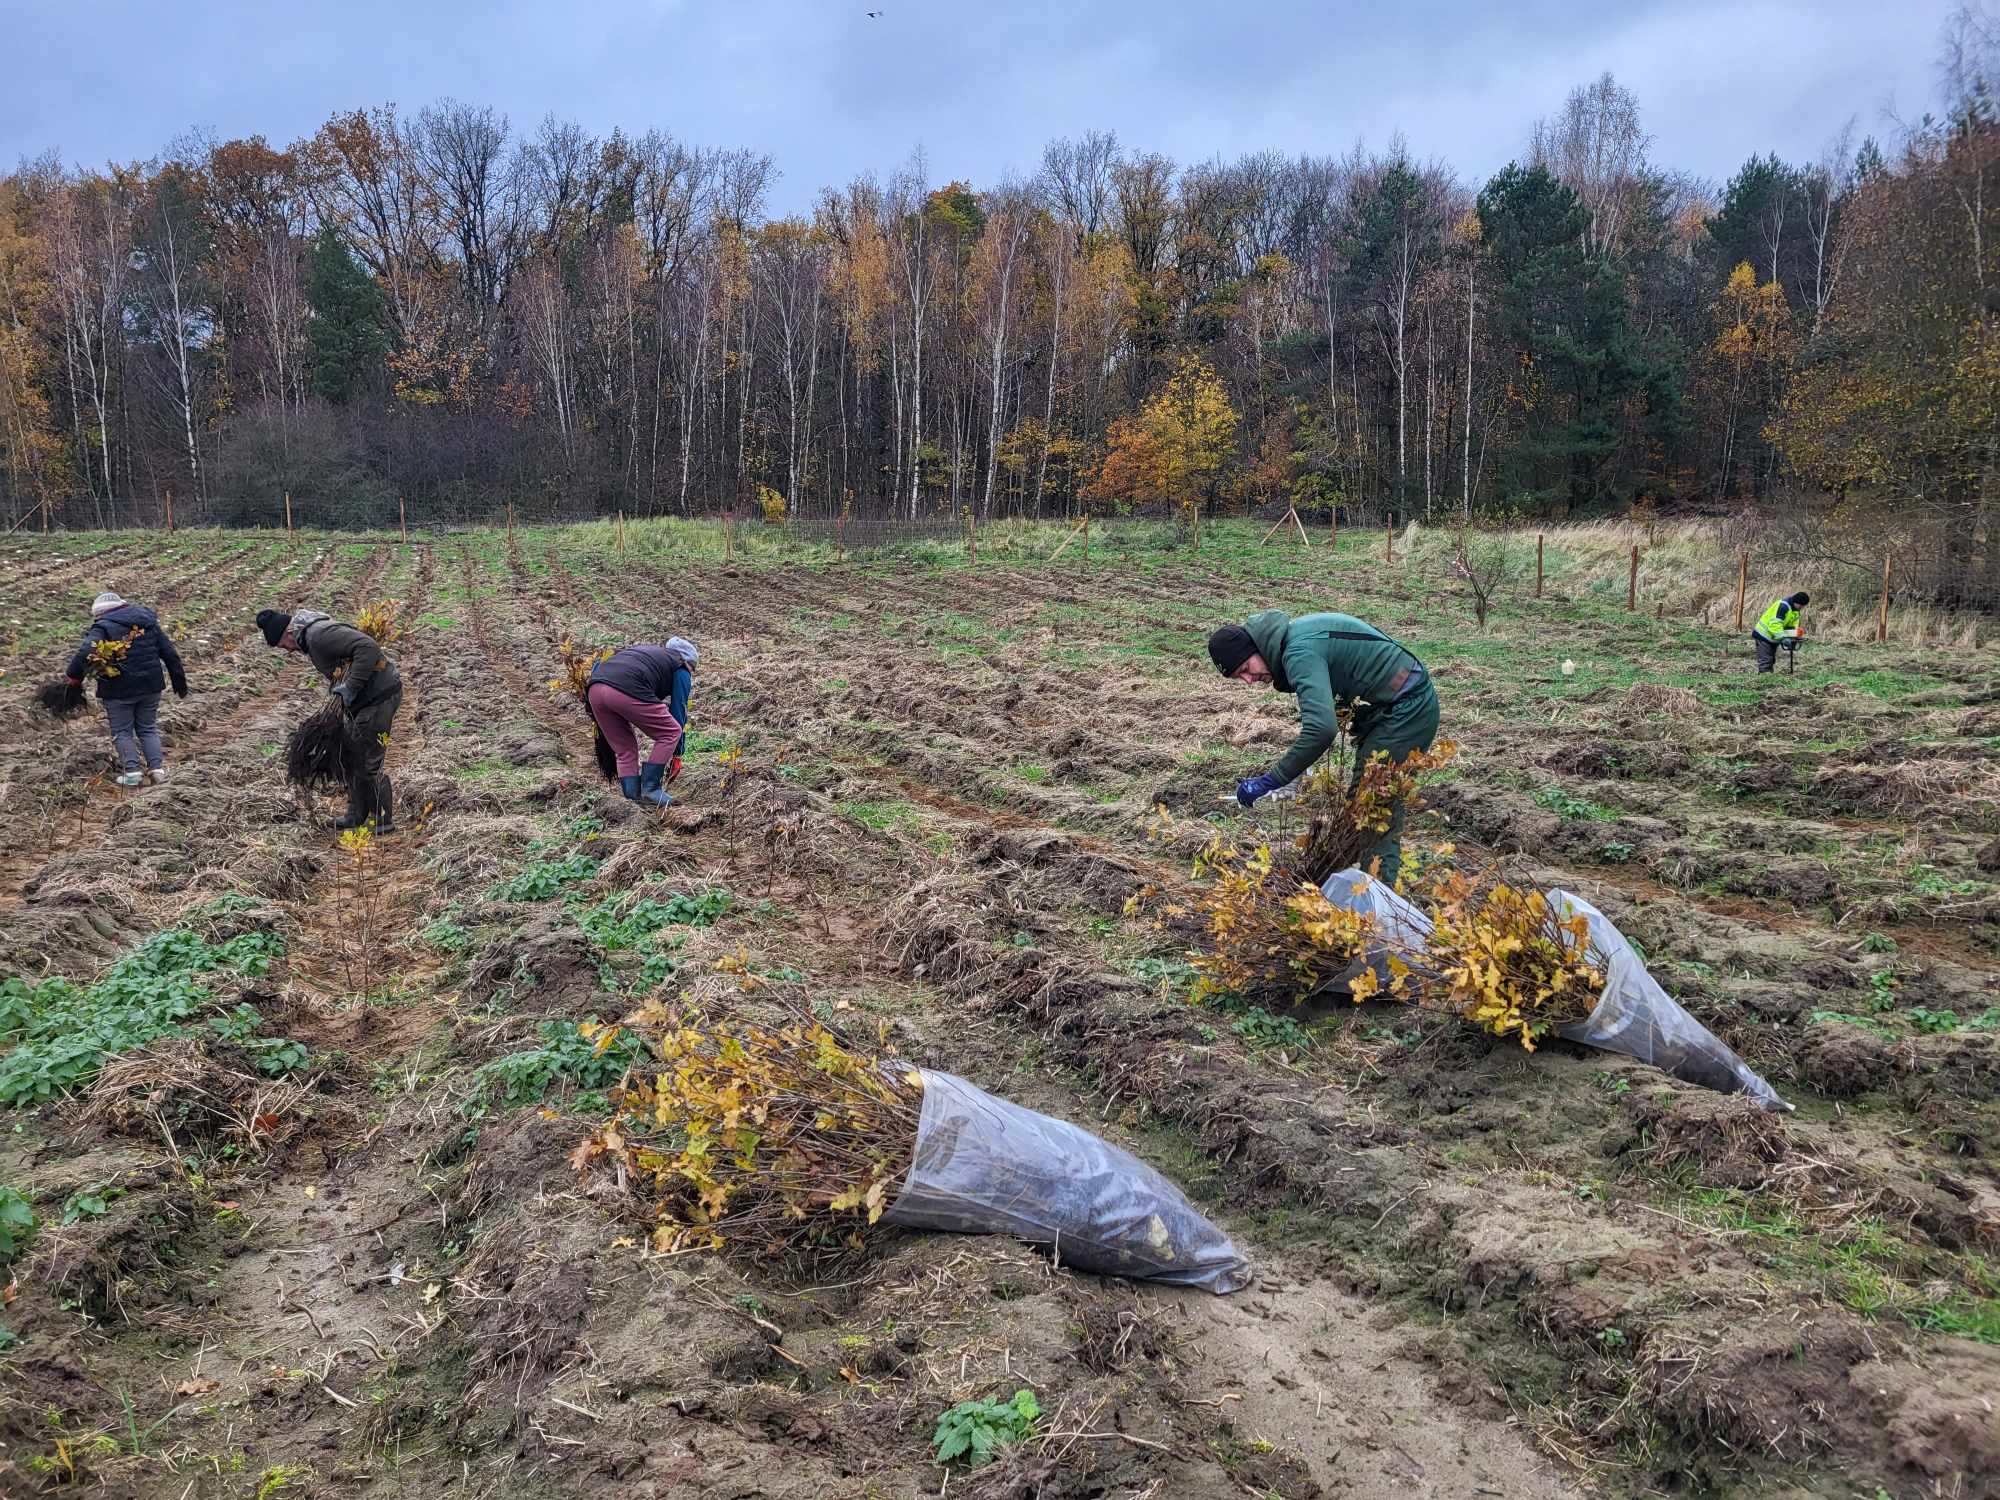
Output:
x,y
348,333
1563,314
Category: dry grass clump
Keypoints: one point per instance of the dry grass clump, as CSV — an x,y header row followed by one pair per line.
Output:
x,y
1643,698
173,1089
776,1141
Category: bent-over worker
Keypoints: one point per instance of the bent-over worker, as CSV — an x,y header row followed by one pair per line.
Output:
x,y
644,689
131,694
362,676
1332,662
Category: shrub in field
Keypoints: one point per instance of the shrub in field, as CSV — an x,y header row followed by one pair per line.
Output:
x,y
772,1141
17,1223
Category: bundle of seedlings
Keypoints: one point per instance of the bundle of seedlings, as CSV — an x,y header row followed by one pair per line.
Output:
x,y
380,621
1341,828
573,681
779,1142
1268,931
1503,957
62,698
316,754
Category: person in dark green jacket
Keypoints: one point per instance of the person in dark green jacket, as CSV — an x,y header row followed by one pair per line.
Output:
x,y
1333,662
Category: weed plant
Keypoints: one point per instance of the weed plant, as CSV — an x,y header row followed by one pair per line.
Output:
x,y
567,1057
61,1032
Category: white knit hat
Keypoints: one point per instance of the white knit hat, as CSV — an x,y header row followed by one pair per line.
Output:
x,y
105,602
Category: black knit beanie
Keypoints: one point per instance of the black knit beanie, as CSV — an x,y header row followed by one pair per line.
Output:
x,y
1801,599
274,623
1229,648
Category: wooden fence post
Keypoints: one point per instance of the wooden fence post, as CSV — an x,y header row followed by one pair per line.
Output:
x,y
1086,538
1389,538
840,537
402,520
1742,582
510,518
45,515
729,536
971,537
1538,564
288,515
1632,581
170,509
1882,611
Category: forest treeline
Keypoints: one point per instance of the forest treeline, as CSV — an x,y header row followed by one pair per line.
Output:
x,y
436,306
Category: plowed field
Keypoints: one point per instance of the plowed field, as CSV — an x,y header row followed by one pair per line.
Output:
x,y
311,1229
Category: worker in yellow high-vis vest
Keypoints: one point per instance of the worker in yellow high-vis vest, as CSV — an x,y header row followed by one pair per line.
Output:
x,y
1778,623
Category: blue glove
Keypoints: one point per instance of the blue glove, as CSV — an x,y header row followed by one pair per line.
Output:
x,y
344,691
1250,789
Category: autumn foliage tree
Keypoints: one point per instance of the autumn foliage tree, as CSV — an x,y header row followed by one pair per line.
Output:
x,y
1175,450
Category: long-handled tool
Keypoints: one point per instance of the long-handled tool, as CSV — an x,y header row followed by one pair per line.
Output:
x,y
1791,657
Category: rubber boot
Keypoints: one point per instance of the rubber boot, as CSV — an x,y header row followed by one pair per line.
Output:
x,y
629,785
650,789
360,803
385,805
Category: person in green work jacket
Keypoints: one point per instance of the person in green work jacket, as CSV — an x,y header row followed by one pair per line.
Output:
x,y
1334,662
1778,623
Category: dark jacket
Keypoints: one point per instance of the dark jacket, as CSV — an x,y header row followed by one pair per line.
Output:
x,y
139,674
343,653
1328,660
651,674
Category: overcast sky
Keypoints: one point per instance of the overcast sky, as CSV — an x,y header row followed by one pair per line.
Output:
x,y
829,92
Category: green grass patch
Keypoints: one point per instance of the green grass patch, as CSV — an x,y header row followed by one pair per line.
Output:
x,y
883,817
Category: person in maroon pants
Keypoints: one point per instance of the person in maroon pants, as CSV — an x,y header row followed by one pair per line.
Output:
x,y
644,689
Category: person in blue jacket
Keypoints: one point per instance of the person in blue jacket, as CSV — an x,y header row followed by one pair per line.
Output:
x,y
130,687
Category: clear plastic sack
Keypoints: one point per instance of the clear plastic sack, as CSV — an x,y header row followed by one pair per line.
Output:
x,y
984,1166
1635,1016
1638,1018
1403,927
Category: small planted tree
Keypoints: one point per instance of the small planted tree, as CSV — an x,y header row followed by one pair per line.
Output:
x,y
1484,562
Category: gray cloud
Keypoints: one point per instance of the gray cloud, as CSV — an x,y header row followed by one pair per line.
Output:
x,y
829,93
